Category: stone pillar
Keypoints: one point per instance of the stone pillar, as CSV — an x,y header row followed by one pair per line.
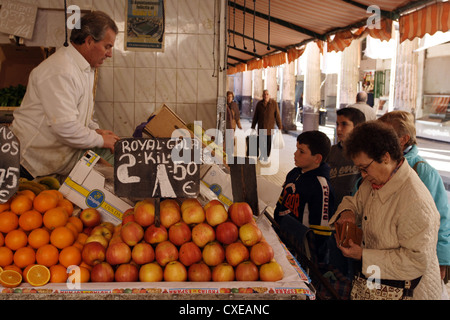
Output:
x,y
246,100
287,108
271,82
311,91
406,83
258,87
238,88
349,75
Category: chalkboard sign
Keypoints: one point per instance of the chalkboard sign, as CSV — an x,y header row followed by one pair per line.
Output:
x,y
18,18
9,164
157,168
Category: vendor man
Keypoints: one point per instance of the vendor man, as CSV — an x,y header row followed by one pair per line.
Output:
x,y
55,122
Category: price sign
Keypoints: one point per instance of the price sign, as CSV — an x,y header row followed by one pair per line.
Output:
x,y
9,164
157,168
18,18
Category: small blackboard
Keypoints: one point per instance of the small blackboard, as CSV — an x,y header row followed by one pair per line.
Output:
x,y
243,182
157,168
9,164
18,18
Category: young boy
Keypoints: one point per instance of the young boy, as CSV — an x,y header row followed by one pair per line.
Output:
x,y
343,173
306,192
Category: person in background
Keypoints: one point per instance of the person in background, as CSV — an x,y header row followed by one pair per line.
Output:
x,y
233,116
403,124
306,194
397,214
343,173
265,116
361,104
55,120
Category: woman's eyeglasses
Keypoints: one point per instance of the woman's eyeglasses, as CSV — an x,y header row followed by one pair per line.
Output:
x,y
364,169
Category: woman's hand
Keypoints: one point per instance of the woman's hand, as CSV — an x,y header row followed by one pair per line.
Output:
x,y
346,216
354,251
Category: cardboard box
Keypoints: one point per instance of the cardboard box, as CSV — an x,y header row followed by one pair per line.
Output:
x,y
91,185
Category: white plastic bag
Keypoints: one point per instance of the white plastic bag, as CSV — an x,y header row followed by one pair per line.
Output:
x,y
278,140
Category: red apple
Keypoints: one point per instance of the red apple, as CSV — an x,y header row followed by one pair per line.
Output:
x,y
128,216
216,214
189,253
143,253
126,272
250,234
132,233
199,272
97,238
103,231
223,272
144,213
193,214
247,271
102,272
213,254
240,213
212,203
271,271
189,202
166,252
236,253
111,227
169,213
93,253
203,233
227,232
87,230
115,238
150,272
180,233
154,234
90,217
175,271
261,253
118,253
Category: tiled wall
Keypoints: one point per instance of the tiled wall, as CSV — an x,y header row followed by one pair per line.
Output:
x,y
132,84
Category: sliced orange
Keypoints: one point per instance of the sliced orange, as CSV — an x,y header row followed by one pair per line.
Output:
x,y
10,278
38,275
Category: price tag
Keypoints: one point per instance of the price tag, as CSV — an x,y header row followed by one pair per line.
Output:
x,y
9,164
157,168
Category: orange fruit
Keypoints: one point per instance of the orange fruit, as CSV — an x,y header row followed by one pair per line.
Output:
x,y
72,228
20,204
86,266
38,275
54,192
30,220
24,257
13,267
6,256
10,278
38,237
83,272
62,237
30,194
47,255
66,204
58,274
8,221
25,271
16,239
2,239
77,222
81,238
70,256
55,217
5,206
45,201
78,245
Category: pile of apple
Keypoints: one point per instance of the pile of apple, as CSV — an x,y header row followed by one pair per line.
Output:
x,y
190,243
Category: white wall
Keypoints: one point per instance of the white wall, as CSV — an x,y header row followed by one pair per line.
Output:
x,y
133,84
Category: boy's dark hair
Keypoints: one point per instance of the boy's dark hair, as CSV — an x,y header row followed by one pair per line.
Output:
x,y
317,142
354,115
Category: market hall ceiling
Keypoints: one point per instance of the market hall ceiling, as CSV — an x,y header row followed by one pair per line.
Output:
x,y
257,28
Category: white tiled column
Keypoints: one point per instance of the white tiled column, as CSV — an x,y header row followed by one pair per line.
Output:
x,y
349,74
311,89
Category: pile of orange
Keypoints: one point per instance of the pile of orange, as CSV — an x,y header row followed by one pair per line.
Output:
x,y
39,239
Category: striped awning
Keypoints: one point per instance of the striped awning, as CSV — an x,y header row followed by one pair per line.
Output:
x,y
268,33
429,20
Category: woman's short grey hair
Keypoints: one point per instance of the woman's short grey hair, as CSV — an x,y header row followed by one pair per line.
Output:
x,y
94,24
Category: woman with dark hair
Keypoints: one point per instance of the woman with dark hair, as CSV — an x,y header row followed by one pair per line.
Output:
x,y
398,217
233,116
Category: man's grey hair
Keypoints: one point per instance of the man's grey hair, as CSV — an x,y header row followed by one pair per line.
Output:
x,y
94,24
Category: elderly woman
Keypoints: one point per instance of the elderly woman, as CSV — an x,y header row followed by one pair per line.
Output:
x,y
396,212
233,116
403,124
